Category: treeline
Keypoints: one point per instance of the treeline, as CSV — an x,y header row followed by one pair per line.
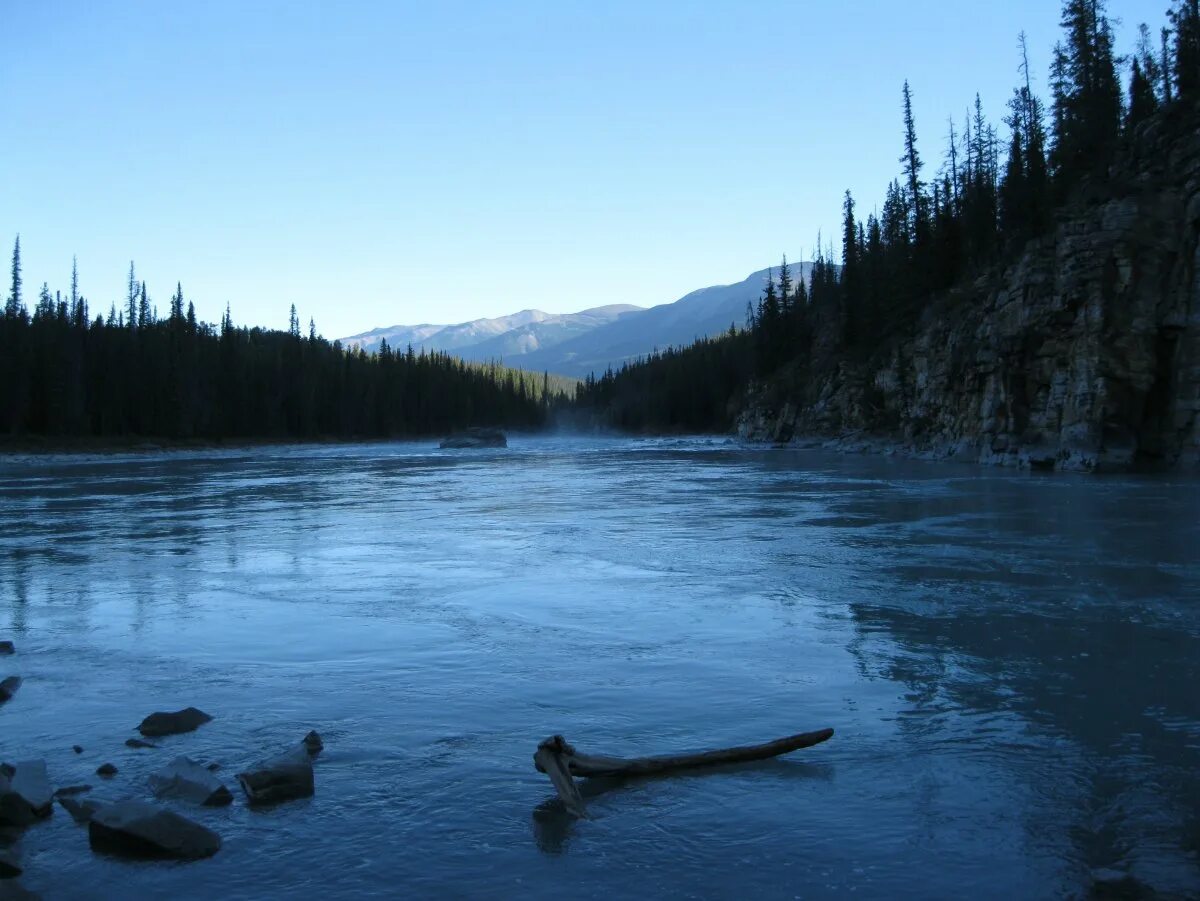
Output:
x,y
989,197
136,374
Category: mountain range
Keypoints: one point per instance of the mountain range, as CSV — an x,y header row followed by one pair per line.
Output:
x,y
575,344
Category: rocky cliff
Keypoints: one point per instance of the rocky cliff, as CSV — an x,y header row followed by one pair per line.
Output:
x,y
1083,354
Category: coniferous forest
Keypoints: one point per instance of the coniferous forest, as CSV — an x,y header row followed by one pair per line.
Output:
x,y
997,186
135,374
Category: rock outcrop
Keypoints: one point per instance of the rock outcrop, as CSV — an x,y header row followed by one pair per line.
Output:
x,y
1083,354
138,829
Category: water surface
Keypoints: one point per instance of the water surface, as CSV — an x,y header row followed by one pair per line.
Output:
x,y
1010,661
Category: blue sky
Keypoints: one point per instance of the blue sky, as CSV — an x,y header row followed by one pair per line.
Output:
x,y
395,162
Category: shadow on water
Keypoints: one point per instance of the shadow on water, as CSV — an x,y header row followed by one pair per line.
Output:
x,y
1078,678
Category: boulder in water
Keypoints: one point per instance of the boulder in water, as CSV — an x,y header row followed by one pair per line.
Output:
x,y
6,647
81,811
476,438
312,743
106,770
138,829
71,790
9,687
186,780
25,794
187,720
10,867
283,778
11,890
138,743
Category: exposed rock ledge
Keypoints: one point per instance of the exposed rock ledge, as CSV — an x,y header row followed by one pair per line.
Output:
x,y
1082,355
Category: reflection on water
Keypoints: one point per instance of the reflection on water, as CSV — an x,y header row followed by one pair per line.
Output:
x,y
1010,662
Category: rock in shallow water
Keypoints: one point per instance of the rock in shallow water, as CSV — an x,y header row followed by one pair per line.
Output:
x,y
25,794
312,743
283,778
138,829
6,647
186,780
106,770
187,720
138,743
81,811
476,438
9,687
10,866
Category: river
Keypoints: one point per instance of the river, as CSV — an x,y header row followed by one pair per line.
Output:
x,y
1011,663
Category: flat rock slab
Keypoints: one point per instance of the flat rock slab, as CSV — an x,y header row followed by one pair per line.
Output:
x,y
25,794
284,778
138,829
187,720
10,867
11,890
9,687
138,743
81,811
185,780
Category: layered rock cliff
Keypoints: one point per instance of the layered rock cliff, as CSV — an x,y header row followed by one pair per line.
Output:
x,y
1083,354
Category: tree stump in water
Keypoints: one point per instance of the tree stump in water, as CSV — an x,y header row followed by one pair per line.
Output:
x,y
561,762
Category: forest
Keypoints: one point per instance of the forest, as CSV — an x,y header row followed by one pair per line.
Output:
x,y
998,187
136,374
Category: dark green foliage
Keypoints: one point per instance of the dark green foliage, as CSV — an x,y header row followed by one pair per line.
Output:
x,y
1185,20
61,375
1087,93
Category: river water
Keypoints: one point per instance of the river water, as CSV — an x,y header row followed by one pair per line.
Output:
x,y
1011,663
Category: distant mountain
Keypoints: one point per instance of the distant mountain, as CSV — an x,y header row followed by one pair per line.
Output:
x,y
700,314
489,339
575,344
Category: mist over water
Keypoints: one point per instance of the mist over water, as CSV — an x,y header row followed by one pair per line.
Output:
x,y
1010,661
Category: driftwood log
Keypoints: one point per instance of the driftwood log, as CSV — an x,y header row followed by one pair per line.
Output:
x,y
561,762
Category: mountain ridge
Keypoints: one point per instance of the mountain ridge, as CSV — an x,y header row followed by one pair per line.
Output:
x,y
591,340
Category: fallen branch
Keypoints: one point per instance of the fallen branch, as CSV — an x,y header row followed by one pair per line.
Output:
x,y
560,761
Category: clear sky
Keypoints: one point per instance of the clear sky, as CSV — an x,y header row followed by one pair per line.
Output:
x,y
402,162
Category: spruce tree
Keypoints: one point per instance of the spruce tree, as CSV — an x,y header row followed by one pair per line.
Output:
x,y
131,300
912,170
12,307
1185,17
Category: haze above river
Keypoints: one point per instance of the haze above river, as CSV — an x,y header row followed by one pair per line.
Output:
x,y
1011,663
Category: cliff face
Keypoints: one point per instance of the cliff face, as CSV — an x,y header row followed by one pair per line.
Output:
x,y
1083,355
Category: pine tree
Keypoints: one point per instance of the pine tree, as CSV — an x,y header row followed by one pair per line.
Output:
x,y
293,323
785,286
12,308
145,318
1087,92
131,300
1142,101
1185,17
912,171
177,304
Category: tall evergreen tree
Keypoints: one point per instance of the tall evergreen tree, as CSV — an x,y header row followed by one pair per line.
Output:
x,y
12,307
1185,19
1087,92
912,171
131,300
